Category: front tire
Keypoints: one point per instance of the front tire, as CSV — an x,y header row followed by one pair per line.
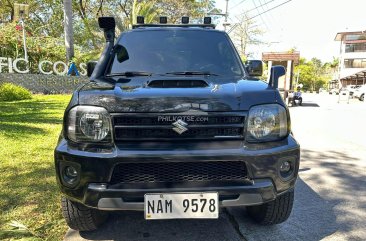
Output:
x,y
80,217
273,212
362,97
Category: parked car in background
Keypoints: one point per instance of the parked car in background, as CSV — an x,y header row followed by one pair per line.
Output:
x,y
360,93
334,91
352,88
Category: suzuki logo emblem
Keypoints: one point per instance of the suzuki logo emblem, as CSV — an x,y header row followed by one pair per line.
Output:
x,y
180,126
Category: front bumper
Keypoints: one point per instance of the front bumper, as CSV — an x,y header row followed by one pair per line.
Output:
x,y
96,166
98,195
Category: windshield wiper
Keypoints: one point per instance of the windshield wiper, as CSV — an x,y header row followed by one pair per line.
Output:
x,y
192,73
130,74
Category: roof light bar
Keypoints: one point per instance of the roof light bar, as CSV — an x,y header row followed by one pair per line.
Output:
x,y
163,20
185,20
207,20
140,20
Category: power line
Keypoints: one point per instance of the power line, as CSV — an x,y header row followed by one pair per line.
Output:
x,y
266,16
273,21
238,4
270,9
256,7
270,15
265,24
279,5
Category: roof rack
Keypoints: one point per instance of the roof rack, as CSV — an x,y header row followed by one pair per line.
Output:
x,y
212,26
163,23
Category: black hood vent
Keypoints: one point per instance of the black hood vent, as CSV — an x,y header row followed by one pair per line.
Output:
x,y
186,83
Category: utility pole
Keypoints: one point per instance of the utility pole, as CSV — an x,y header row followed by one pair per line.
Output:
x,y
297,77
24,41
340,63
68,29
21,11
226,15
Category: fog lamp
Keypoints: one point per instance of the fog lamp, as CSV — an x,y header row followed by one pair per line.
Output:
x,y
71,172
285,167
70,175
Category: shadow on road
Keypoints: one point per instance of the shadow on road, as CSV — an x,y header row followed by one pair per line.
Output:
x,y
309,104
339,166
325,204
131,226
312,219
306,104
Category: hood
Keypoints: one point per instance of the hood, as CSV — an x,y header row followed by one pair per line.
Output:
x,y
136,95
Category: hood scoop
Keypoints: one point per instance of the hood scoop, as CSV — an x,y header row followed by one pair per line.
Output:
x,y
186,83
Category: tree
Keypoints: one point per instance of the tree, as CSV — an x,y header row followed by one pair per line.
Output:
x,y
246,33
146,9
68,27
172,9
334,66
313,73
46,18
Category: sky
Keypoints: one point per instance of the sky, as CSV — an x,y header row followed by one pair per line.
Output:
x,y
308,25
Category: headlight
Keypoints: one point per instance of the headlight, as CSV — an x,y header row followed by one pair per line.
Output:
x,y
267,123
89,124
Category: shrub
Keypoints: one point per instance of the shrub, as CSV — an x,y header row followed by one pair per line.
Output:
x,y
11,92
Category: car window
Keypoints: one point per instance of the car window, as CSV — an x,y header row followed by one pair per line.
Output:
x,y
163,51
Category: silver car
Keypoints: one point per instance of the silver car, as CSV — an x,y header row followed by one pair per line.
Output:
x,y
360,93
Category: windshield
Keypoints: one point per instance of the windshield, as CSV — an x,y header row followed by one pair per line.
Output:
x,y
172,51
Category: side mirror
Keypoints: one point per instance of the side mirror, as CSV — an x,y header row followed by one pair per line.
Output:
x,y
275,73
254,67
90,66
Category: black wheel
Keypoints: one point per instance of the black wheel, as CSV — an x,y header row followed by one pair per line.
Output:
x,y
362,97
274,212
80,217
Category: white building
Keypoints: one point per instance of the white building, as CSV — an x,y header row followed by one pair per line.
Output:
x,y
352,69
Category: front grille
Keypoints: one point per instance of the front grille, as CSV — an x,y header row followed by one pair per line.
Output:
x,y
154,120
168,133
159,127
175,172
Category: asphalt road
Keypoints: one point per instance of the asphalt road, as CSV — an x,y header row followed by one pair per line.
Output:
x,y
330,196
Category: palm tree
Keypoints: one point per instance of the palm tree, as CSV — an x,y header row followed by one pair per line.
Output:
x,y
145,9
335,64
68,28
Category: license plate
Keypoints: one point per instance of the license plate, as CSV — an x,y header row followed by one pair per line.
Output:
x,y
181,205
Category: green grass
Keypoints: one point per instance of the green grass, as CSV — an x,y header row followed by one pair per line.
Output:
x,y
29,196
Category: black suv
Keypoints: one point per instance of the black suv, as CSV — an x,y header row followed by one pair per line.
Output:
x,y
172,123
